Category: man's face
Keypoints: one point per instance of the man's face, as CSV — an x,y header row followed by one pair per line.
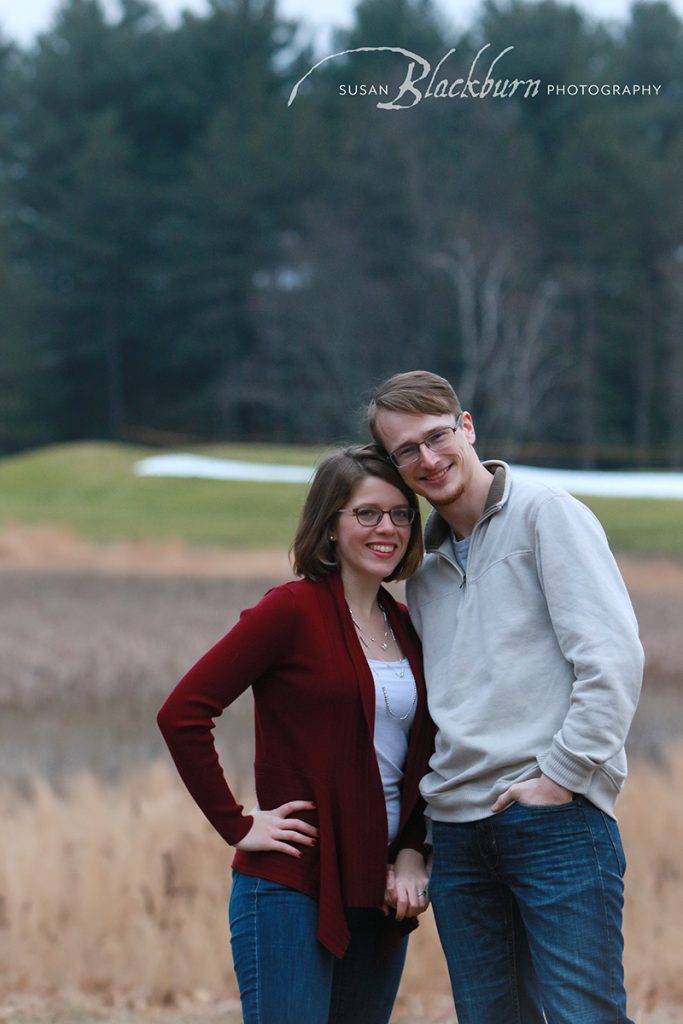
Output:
x,y
441,477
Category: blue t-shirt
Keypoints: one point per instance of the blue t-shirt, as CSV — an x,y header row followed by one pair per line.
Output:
x,y
461,550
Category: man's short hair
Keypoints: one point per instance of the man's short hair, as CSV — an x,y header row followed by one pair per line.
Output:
x,y
417,392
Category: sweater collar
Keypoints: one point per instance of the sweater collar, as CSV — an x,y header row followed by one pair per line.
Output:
x,y
437,530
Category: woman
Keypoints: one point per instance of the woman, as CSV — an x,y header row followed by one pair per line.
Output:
x,y
342,740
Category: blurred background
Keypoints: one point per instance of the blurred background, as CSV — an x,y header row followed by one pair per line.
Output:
x,y
189,264
181,253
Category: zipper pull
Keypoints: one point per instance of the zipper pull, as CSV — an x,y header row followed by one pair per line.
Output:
x,y
464,581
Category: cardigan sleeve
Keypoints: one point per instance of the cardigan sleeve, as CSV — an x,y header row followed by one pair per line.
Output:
x,y
413,831
413,834
256,643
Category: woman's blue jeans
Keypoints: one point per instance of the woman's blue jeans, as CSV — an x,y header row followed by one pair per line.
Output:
x,y
560,870
286,977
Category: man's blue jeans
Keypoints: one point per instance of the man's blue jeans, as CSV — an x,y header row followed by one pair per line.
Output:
x,y
286,977
561,868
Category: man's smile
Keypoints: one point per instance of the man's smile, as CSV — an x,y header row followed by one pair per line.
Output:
x,y
436,477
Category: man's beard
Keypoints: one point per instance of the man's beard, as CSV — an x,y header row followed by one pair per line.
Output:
x,y
448,499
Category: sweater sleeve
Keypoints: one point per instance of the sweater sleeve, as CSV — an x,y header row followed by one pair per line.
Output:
x,y
256,643
413,834
597,632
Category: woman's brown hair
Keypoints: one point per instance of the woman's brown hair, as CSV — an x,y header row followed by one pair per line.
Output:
x,y
314,554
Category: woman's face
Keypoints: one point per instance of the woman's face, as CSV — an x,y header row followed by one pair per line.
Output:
x,y
371,551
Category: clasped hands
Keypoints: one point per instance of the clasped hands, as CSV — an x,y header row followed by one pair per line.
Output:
x,y
407,880
407,885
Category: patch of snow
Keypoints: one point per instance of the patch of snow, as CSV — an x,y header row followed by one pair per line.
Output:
x,y
607,483
204,467
598,483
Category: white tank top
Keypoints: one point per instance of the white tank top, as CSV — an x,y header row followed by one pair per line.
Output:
x,y
395,701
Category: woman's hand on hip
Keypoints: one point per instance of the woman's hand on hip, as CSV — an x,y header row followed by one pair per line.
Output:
x,y
274,830
407,885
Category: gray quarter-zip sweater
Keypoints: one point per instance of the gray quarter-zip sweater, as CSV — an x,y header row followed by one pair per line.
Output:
x,y
532,658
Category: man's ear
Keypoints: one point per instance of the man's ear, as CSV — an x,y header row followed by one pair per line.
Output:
x,y
468,427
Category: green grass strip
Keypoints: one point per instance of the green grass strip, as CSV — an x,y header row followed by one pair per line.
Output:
x,y
91,488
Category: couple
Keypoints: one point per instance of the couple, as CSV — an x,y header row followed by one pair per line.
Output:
x,y
533,669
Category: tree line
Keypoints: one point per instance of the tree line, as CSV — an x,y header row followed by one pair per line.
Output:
x,y
182,253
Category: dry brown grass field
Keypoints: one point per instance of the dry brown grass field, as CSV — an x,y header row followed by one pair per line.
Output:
x,y
112,886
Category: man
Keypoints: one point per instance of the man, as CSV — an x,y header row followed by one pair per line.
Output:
x,y
533,668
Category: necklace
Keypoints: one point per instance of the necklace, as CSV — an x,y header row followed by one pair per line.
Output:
x,y
366,640
392,714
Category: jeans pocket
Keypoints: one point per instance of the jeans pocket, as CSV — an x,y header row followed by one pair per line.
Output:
x,y
612,830
545,808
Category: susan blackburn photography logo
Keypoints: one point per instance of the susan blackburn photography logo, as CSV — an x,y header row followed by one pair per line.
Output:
x,y
480,81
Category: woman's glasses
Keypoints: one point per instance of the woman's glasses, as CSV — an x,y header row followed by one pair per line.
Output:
x,y
368,515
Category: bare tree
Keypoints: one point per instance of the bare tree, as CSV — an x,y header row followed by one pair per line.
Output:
x,y
510,337
674,276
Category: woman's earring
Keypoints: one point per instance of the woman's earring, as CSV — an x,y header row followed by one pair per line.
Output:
x,y
332,538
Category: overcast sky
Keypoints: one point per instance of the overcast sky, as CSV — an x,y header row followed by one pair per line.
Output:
x,y
22,19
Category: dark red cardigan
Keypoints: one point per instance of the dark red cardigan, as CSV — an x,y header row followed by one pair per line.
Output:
x,y
314,700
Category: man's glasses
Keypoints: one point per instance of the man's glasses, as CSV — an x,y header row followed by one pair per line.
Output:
x,y
368,515
437,441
